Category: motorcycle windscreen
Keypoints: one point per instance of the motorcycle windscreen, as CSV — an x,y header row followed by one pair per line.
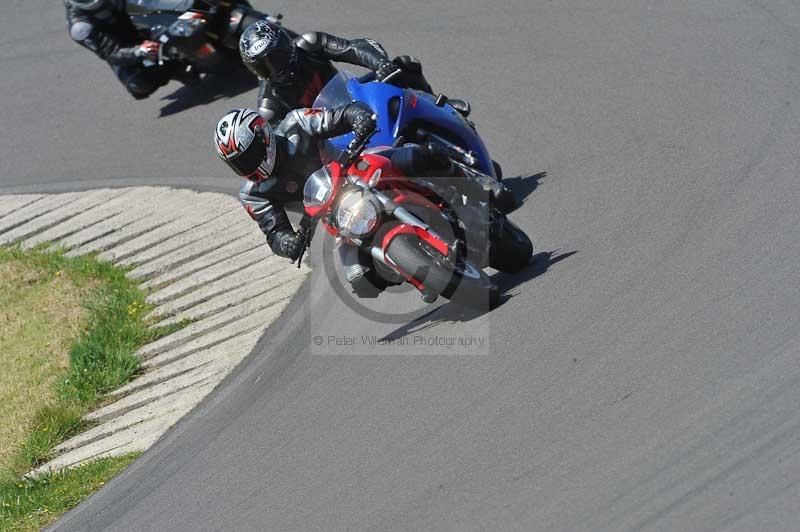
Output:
x,y
334,94
139,7
384,99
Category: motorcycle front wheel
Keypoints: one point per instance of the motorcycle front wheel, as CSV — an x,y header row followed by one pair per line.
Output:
x,y
463,283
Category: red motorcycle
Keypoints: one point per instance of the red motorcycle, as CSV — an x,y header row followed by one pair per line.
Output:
x,y
410,232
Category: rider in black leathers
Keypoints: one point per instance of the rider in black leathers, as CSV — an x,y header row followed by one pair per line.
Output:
x,y
293,68
103,27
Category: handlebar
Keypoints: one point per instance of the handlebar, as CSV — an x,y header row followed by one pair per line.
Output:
x,y
373,76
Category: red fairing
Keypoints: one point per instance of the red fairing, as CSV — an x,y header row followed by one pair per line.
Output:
x,y
405,229
415,199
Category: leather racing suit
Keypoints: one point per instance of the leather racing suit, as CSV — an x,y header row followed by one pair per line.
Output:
x,y
314,53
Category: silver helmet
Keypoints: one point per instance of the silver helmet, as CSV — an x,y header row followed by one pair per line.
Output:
x,y
246,143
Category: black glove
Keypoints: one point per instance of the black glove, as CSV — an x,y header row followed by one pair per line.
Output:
x,y
286,243
364,125
385,68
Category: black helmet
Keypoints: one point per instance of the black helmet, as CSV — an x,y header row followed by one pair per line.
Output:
x,y
267,50
246,143
95,5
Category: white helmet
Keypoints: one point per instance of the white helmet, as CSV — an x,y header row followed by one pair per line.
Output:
x,y
246,143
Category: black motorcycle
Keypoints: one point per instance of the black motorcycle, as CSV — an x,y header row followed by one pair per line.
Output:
x,y
202,35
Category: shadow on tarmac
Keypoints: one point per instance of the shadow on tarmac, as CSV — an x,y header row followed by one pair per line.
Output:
x,y
214,87
452,312
522,187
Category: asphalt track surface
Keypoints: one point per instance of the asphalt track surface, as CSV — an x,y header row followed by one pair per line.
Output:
x,y
648,381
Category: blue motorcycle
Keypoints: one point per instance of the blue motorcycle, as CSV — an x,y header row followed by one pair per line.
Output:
x,y
407,115
410,115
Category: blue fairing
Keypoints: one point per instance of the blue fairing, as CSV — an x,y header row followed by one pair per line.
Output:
x,y
400,110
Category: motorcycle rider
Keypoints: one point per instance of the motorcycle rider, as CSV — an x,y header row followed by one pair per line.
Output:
x,y
103,27
293,68
276,162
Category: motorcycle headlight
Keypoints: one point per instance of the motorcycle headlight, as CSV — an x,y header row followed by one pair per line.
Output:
x,y
357,213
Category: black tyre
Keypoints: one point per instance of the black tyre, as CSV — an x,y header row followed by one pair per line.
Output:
x,y
465,284
512,250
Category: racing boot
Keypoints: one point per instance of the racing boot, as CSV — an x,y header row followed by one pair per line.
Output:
x,y
504,200
510,249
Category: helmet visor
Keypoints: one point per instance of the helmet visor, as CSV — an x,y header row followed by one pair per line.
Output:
x,y
266,49
248,161
277,62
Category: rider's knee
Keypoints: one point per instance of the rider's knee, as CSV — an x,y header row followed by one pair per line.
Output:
x,y
140,87
142,83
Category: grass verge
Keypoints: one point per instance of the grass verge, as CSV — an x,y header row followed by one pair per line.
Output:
x,y
29,505
101,357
